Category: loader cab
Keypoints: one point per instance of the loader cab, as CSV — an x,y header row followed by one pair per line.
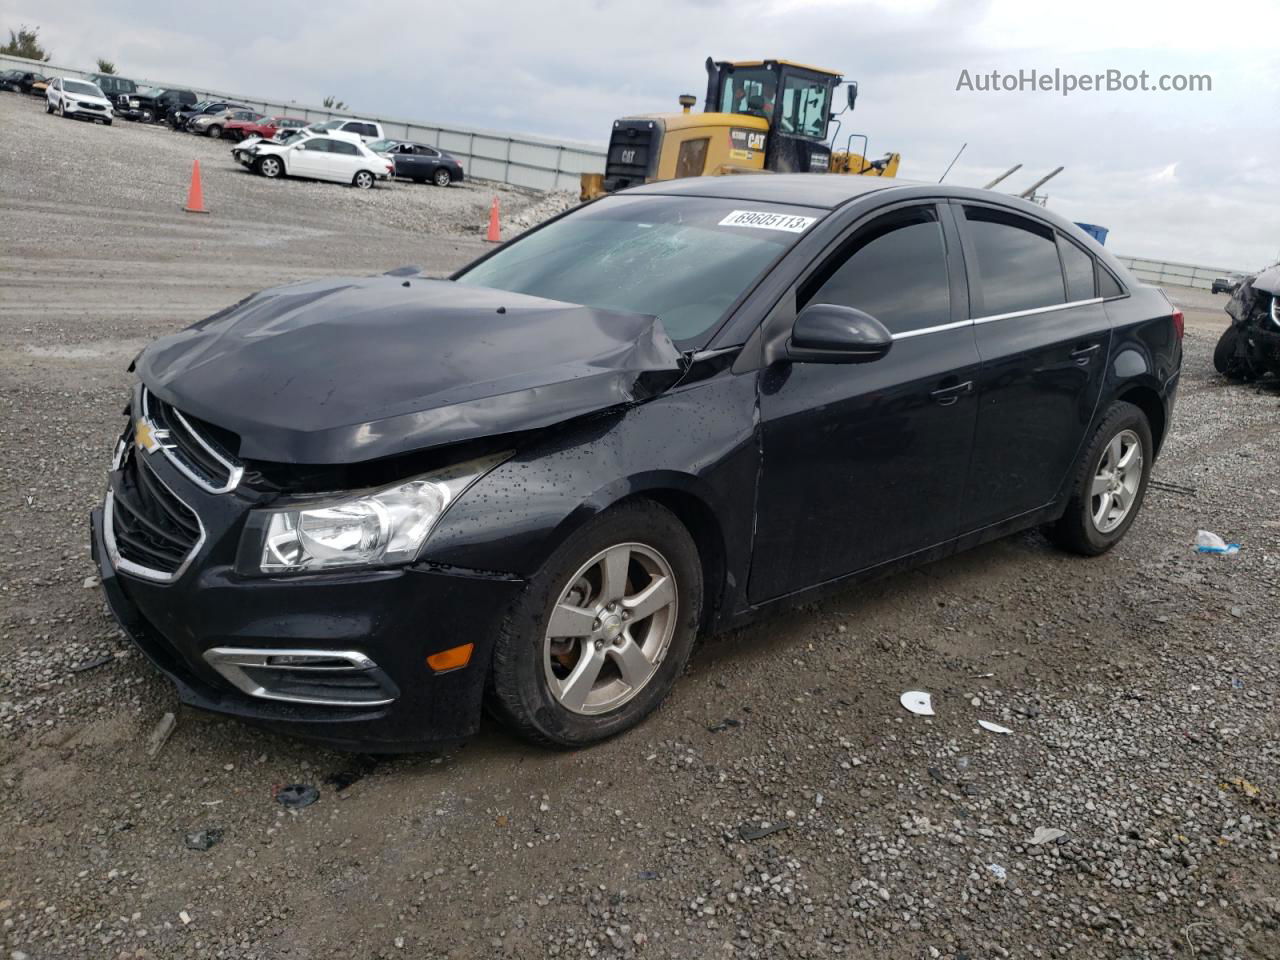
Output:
x,y
796,101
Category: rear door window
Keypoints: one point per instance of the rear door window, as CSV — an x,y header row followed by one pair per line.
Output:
x,y
894,268
1078,267
1017,263
341,146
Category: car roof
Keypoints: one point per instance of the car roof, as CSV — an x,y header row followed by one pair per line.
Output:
x,y
825,190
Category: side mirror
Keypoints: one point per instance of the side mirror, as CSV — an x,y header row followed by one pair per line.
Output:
x,y
852,91
828,333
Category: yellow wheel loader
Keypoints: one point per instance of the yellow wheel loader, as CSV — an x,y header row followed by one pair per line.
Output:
x,y
759,116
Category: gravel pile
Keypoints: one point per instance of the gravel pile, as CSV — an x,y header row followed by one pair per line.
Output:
x,y
781,804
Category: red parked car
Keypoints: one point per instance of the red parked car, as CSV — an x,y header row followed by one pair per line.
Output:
x,y
266,127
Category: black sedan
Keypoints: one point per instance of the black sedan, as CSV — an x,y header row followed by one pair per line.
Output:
x,y
359,509
21,81
419,162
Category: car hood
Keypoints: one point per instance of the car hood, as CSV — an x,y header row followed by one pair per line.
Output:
x,y
352,369
1268,281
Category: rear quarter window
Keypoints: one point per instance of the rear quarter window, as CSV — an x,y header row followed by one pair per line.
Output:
x,y
1078,267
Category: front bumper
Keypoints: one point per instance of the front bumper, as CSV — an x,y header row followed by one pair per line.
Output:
x,y
395,617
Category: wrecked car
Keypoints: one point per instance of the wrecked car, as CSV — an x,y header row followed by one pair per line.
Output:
x,y
1250,347
362,509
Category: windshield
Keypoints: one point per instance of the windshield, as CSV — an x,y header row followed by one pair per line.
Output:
x,y
117,84
82,88
291,136
327,125
685,260
751,91
384,146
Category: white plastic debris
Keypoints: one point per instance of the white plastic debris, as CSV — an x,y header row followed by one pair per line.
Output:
x,y
918,702
1208,542
1047,835
993,727
997,871
184,917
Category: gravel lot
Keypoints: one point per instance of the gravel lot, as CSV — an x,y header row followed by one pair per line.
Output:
x,y
1141,687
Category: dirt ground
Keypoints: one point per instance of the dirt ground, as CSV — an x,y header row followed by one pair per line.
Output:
x,y
1141,686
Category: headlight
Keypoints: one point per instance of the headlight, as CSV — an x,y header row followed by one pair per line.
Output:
x,y
385,527
1275,310
133,103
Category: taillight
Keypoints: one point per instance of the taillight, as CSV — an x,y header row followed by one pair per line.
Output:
x,y
1178,322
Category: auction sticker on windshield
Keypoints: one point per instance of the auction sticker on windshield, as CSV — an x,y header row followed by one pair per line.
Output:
x,y
768,221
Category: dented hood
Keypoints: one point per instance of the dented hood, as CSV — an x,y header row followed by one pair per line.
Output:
x,y
351,369
1268,281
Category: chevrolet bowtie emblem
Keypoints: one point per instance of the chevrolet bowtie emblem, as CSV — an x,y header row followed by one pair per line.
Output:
x,y
147,437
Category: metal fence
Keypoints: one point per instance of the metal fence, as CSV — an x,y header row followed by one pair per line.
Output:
x,y
523,161
1178,274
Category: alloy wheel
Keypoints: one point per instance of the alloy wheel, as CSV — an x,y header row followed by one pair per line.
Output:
x,y
364,180
271,167
442,178
610,629
1116,481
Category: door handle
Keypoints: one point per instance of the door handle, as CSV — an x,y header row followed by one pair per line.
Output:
x,y
1082,355
946,396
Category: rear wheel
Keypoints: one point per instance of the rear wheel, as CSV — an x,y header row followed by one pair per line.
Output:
x,y
442,177
1227,359
363,180
270,167
1111,481
599,635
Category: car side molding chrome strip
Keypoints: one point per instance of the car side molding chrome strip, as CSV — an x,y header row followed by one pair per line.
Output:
x,y
1035,310
956,325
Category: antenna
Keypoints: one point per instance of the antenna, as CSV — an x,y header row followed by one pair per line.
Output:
x,y
1014,169
953,161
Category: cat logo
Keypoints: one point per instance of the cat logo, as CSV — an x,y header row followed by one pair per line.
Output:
x,y
628,156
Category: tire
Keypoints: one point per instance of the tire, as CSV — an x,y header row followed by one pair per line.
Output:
x,y
442,177
527,662
270,167
363,180
107,123
1078,530
147,116
61,110
214,131
48,107
1226,357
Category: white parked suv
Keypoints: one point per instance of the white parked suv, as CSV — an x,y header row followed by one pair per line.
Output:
x,y
334,155
367,130
69,97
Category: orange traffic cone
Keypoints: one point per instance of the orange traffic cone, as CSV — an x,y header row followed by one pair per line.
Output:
x,y
492,236
195,196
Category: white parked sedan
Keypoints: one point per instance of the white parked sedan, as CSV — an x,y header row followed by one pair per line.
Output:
x,y
69,97
336,156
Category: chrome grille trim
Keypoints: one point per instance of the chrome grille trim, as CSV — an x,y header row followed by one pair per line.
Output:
x,y
126,565
235,470
232,662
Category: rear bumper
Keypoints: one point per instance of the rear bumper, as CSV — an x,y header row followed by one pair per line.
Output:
x,y
394,617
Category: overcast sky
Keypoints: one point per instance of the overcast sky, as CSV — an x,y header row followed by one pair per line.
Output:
x,y
1179,176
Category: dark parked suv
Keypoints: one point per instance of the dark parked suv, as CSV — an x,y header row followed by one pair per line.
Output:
x,y
358,509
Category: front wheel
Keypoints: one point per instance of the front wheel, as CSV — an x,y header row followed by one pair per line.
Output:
x,y
363,180
1227,359
1110,484
214,131
270,167
599,635
442,177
